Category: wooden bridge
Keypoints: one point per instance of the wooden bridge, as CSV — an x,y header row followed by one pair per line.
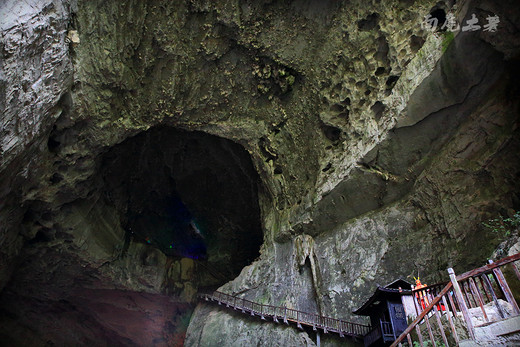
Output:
x,y
442,303
289,315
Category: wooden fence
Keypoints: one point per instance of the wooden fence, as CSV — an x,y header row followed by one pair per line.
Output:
x,y
287,315
446,301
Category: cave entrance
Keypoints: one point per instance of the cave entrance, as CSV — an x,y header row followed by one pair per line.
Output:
x,y
190,195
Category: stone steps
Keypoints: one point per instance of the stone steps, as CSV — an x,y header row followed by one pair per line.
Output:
x,y
505,332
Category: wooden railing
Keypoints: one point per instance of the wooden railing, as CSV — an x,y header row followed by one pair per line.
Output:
x,y
472,289
374,335
387,329
287,315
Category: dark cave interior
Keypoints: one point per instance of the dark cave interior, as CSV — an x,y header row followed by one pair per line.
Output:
x,y
145,147
191,195
188,194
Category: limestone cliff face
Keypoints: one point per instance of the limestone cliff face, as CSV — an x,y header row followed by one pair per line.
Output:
x,y
361,145
36,74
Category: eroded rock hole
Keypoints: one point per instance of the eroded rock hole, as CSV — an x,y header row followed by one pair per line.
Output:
x,y
190,195
52,142
440,15
332,133
378,108
369,23
380,70
416,42
346,102
382,50
391,81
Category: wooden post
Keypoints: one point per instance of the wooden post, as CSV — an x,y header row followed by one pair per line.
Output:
x,y
515,268
464,286
432,339
429,294
416,303
462,304
452,303
439,323
452,326
419,335
495,300
488,294
505,289
476,293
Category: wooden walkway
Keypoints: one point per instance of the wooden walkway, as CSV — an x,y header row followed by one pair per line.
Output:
x,y
287,315
433,304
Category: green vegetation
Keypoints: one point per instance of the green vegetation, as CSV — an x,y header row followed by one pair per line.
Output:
x,y
503,226
448,37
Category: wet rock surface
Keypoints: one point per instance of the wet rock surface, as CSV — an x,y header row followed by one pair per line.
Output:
x,y
357,146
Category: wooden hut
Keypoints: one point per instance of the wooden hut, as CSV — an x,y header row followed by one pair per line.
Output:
x,y
387,312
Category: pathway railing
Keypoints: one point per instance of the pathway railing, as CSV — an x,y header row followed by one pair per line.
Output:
x,y
472,289
287,315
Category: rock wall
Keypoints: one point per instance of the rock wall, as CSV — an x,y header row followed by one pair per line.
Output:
x,y
414,203
380,147
35,77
